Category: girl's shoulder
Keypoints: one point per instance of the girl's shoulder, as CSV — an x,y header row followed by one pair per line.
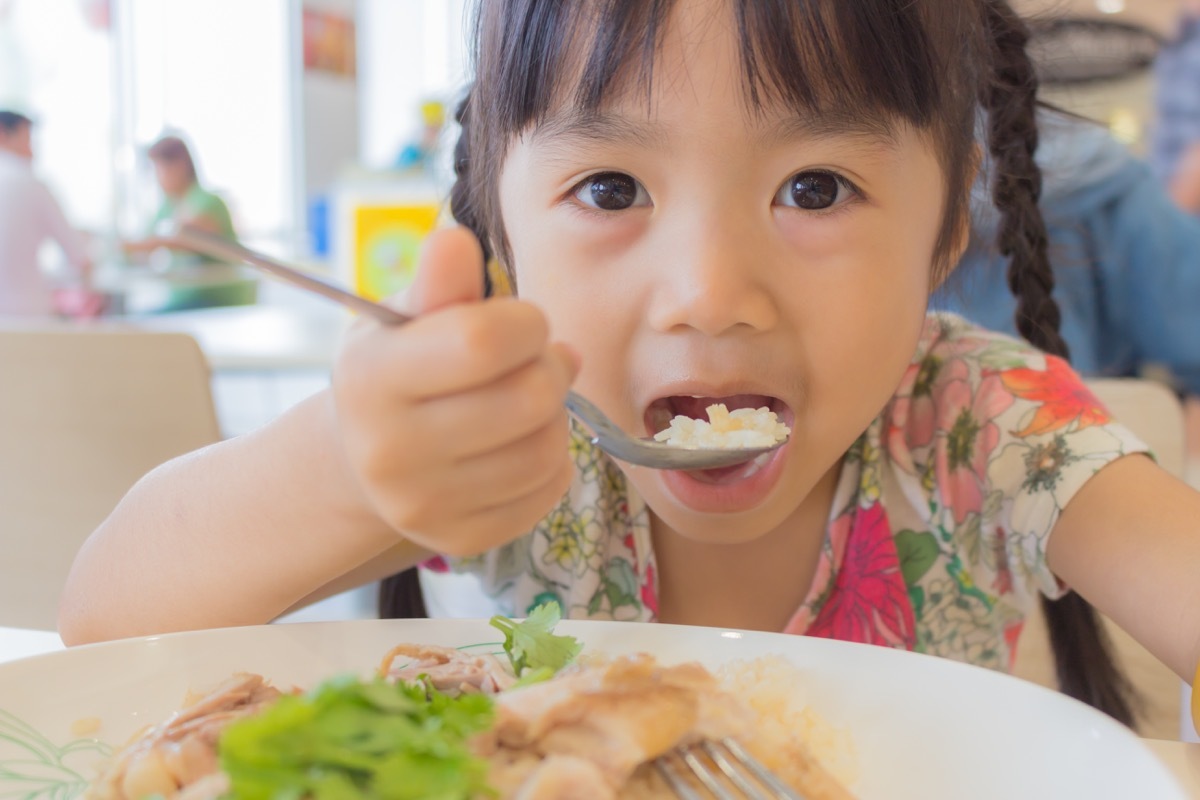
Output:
x,y
979,413
947,333
988,439
968,376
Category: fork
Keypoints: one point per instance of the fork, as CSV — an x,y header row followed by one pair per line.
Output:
x,y
724,769
605,433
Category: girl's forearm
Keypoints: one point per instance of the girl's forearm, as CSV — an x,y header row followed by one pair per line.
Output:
x,y
233,534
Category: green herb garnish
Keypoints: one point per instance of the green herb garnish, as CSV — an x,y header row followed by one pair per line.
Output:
x,y
350,739
532,644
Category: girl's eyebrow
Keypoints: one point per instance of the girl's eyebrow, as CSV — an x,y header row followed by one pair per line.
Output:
x,y
864,129
606,128
598,127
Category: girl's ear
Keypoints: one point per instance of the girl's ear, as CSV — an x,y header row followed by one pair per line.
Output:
x,y
962,227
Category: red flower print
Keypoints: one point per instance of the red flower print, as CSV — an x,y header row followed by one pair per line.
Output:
x,y
1012,635
911,422
1063,396
1004,577
649,596
436,564
869,601
968,437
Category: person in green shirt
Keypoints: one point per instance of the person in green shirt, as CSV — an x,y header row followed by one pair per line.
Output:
x,y
184,201
193,280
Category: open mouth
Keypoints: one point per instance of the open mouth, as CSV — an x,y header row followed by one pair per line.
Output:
x,y
660,412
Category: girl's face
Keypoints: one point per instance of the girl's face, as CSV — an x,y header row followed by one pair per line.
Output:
x,y
695,252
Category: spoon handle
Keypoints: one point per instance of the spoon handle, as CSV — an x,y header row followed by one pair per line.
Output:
x,y
192,239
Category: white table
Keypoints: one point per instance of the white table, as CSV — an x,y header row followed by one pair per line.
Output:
x,y
256,338
1183,759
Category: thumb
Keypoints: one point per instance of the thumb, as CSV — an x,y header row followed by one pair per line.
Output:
x,y
449,271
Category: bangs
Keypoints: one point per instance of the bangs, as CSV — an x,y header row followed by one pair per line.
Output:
x,y
868,60
874,65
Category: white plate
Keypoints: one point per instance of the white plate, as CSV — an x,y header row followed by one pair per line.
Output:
x,y
924,728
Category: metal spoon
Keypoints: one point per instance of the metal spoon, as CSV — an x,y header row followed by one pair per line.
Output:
x,y
607,436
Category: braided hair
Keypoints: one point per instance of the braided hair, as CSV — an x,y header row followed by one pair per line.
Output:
x,y
1083,659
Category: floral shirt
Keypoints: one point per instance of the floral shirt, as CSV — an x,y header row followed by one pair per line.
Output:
x,y
937,535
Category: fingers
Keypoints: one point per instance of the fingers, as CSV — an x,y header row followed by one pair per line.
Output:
x,y
453,424
449,271
513,406
510,488
454,349
476,534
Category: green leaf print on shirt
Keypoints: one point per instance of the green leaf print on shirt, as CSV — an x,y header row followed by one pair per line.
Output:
x,y
918,552
618,585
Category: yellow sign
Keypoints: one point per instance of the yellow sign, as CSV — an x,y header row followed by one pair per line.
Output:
x,y
387,240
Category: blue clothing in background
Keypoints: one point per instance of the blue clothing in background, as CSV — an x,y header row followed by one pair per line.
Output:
x,y
1177,98
1126,259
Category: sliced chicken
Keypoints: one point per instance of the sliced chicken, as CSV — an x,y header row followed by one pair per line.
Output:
x,y
449,670
616,716
181,752
565,778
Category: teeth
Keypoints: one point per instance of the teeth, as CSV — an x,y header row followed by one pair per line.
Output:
x,y
756,465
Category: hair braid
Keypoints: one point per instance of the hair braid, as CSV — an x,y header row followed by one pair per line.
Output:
x,y
464,205
1011,101
1084,663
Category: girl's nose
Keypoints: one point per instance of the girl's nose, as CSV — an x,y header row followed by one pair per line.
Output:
x,y
715,280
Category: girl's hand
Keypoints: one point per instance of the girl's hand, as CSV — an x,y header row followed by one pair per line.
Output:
x,y
453,424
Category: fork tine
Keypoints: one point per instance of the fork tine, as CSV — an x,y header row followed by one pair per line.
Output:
x,y
724,769
760,772
709,779
670,773
717,752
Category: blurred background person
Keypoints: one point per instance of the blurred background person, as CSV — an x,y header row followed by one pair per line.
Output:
x,y
1175,146
184,202
29,216
1126,259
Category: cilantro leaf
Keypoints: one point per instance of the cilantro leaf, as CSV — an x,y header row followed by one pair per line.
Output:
x,y
532,644
352,740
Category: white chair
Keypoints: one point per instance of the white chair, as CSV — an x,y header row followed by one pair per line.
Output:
x,y
1155,415
83,415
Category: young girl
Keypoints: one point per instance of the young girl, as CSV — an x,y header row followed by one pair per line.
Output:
x,y
703,201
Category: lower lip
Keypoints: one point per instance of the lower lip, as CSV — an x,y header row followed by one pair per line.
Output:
x,y
725,491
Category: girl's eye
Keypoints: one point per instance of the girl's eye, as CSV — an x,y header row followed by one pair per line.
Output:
x,y
611,191
814,191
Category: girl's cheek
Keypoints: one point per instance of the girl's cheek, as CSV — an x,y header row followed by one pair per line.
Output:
x,y
591,237
823,236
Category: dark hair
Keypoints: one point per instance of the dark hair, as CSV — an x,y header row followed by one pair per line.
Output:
x,y
174,150
12,121
928,64
1083,658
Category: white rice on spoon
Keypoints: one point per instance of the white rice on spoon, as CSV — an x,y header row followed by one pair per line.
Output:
x,y
725,429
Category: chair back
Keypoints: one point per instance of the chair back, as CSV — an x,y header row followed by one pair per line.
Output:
x,y
83,415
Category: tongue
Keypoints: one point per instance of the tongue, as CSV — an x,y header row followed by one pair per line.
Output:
x,y
697,407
